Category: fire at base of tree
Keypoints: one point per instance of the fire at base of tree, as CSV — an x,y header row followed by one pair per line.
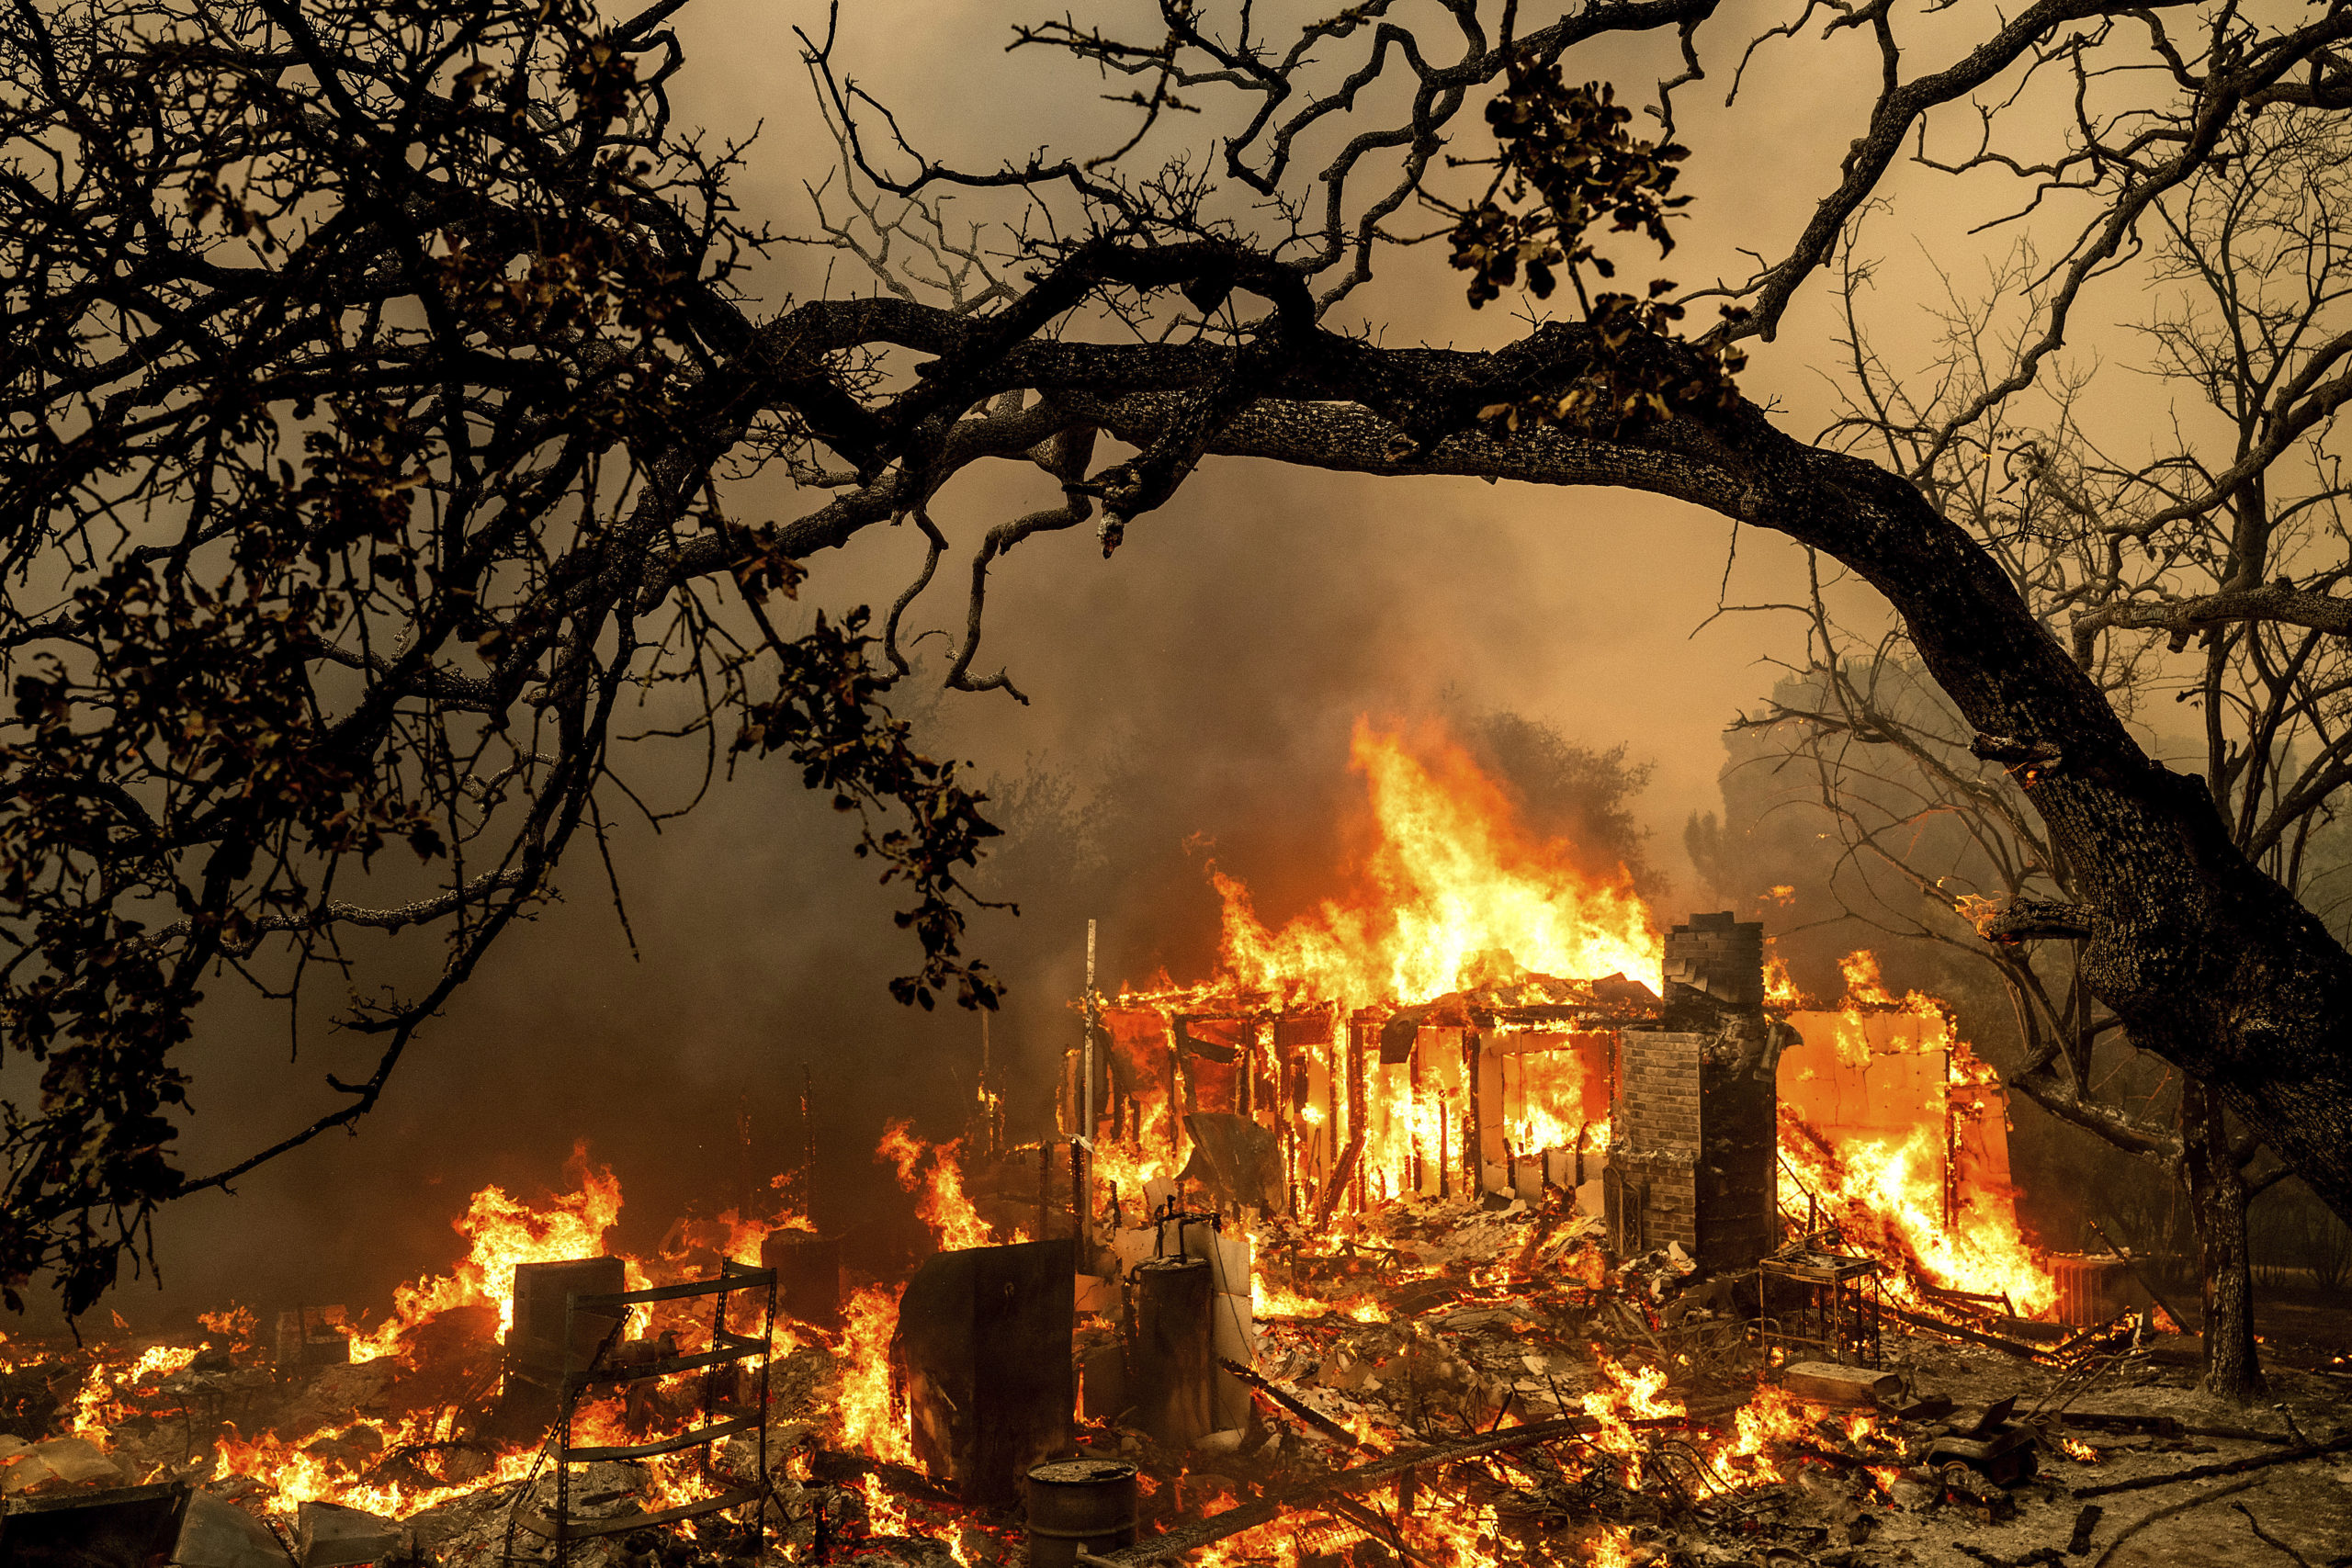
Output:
x,y
1384,1244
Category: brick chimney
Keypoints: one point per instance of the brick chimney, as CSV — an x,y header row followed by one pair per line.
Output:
x,y
1692,1158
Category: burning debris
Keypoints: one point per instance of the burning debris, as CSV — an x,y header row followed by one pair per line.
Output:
x,y
1387,1247
1446,1379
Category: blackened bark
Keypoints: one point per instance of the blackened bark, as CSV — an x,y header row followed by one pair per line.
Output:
x,y
2218,1199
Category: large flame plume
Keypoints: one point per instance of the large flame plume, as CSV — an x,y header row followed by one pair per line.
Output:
x,y
1451,880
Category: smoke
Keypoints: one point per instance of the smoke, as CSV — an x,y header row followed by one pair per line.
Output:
x,y
1191,700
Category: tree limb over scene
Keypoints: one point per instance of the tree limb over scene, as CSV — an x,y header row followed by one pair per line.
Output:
x,y
377,379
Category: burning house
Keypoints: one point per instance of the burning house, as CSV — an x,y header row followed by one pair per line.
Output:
x,y
1490,1025
1478,1219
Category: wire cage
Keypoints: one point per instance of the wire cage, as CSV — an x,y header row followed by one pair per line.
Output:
x,y
1818,1305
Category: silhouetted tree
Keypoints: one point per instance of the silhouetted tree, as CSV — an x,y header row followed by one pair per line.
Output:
x,y
376,381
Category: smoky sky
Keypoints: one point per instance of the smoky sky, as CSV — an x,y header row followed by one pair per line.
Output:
x,y
1191,700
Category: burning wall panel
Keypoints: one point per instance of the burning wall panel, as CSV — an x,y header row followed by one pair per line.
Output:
x,y
1550,1101
1141,1073
1365,1111
1437,1080
1865,1075
1901,1133
1980,1148
1861,1078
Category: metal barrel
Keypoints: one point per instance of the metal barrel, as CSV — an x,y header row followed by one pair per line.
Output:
x,y
1080,1505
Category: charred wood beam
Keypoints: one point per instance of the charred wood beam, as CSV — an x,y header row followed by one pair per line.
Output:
x,y
2084,1523
1291,1402
2226,1467
2171,1426
1264,1510
841,1469
1374,1524
1341,1175
1974,1336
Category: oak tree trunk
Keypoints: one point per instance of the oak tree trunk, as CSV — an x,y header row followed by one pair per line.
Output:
x,y
2217,1197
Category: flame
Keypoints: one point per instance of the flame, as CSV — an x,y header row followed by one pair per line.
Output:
x,y
867,1410
1457,890
1271,1298
503,1230
1884,1197
1774,1416
1626,1394
98,1404
2078,1450
235,1325
1900,1199
954,1223
1613,1547
341,1463
1455,894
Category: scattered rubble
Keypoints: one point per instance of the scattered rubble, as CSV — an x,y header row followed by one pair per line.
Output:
x,y
1490,1389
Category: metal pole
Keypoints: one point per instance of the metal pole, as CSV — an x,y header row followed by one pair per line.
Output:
x,y
1083,1148
807,1143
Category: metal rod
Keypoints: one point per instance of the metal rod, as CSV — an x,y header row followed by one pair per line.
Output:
x,y
1081,1158
807,1143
